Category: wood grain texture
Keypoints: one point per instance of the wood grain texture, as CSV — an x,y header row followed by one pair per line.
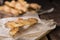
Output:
x,y
55,34
55,14
44,38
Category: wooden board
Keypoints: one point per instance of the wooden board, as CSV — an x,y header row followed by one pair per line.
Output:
x,y
55,14
55,34
44,38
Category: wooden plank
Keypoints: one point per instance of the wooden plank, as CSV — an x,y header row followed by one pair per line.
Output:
x,y
55,34
55,14
44,38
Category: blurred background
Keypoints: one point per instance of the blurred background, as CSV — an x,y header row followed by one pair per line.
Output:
x,y
47,4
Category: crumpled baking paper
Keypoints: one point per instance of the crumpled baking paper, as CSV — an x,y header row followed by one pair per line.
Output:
x,y
35,32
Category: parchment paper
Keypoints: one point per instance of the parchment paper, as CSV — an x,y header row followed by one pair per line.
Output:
x,y
33,33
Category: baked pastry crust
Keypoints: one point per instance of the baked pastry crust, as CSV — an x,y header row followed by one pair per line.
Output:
x,y
18,7
16,25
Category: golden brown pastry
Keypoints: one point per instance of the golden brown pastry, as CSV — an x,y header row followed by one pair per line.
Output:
x,y
11,4
14,12
1,8
18,7
6,9
34,6
23,3
21,7
20,23
32,21
13,24
14,31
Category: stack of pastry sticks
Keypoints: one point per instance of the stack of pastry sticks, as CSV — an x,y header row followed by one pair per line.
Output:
x,y
18,7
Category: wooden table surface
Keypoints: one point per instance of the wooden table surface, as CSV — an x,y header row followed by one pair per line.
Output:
x,y
55,34
44,38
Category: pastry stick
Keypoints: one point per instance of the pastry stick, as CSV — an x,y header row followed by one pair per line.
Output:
x,y
19,6
11,4
1,8
6,9
15,26
12,24
34,6
14,31
30,22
